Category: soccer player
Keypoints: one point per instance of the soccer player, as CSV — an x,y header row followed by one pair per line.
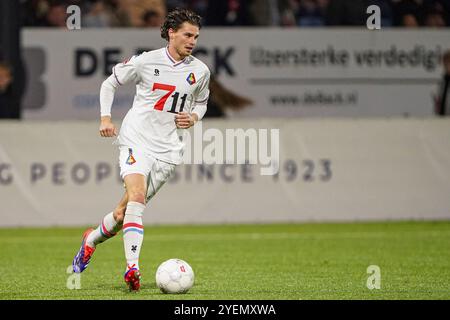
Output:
x,y
171,96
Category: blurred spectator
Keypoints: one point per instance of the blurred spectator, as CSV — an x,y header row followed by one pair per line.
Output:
x,y
172,4
5,77
135,9
442,100
311,13
151,19
221,99
198,6
228,13
56,15
435,13
434,19
346,13
47,13
415,13
354,12
288,10
34,12
103,14
266,12
408,13
9,107
286,13
97,15
387,12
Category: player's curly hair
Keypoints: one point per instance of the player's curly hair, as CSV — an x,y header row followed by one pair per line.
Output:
x,y
176,18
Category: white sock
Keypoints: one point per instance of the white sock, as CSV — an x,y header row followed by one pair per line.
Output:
x,y
107,229
133,233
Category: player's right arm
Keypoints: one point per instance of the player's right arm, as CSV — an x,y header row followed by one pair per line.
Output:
x,y
122,73
107,127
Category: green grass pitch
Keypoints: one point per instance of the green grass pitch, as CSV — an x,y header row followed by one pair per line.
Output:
x,y
240,262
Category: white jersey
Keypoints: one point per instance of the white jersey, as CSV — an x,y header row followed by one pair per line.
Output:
x,y
163,88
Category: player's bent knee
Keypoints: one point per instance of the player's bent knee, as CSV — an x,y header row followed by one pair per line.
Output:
x,y
119,214
136,196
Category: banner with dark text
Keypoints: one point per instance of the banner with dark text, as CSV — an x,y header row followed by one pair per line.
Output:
x,y
285,72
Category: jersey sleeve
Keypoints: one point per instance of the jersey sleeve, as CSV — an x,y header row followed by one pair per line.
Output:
x,y
127,71
122,73
201,97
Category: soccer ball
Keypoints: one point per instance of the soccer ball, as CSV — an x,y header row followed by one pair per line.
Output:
x,y
174,276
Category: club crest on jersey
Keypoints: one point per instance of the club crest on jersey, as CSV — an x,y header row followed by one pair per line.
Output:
x,y
130,159
191,79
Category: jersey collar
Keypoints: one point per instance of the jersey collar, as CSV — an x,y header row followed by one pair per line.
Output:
x,y
174,62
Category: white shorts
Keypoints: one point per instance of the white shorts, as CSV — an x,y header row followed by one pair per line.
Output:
x,y
156,172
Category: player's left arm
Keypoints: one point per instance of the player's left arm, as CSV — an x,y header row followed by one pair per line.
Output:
x,y
186,120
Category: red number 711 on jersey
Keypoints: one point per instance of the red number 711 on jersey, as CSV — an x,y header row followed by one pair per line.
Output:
x,y
159,105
